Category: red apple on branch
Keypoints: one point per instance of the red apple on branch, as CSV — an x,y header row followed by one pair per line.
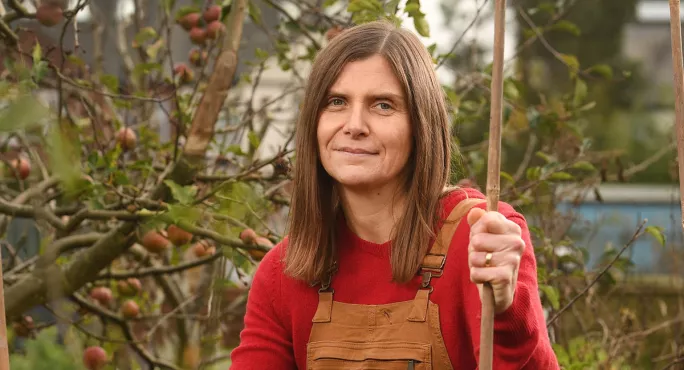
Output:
x,y
178,236
213,13
94,358
154,242
189,21
126,138
130,309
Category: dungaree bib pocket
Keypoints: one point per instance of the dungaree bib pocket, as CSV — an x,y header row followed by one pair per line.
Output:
x,y
352,355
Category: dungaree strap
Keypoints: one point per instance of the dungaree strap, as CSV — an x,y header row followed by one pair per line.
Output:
x,y
324,310
434,260
420,306
436,257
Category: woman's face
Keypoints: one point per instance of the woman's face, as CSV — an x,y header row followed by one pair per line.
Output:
x,y
364,130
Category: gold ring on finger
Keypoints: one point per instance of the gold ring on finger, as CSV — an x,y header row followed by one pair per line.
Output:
x,y
488,259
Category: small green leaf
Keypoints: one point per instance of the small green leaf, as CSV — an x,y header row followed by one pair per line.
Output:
x,y
561,176
261,54
510,90
329,3
40,69
235,149
584,166
37,53
580,93
421,25
602,70
183,194
431,48
146,34
551,294
412,9
543,156
657,233
179,213
587,106
253,139
254,12
572,63
567,26
111,82
153,50
533,173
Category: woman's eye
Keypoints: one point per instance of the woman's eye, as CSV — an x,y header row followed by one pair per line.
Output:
x,y
384,106
336,101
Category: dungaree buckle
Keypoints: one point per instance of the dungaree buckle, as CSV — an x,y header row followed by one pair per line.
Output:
x,y
427,276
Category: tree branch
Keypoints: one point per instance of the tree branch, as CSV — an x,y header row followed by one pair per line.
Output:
x,y
206,115
160,270
32,290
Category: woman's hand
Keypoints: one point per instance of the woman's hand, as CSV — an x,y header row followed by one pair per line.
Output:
x,y
494,254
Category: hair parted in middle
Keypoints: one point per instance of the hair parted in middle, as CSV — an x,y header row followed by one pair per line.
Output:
x,y
315,205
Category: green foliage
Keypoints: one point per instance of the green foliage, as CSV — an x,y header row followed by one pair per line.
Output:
x,y
585,354
44,353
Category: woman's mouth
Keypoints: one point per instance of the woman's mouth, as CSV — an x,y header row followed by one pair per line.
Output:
x,y
357,151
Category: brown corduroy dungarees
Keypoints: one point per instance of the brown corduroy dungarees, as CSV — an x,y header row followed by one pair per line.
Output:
x,y
402,335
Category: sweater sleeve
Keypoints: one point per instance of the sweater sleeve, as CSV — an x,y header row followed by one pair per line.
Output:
x,y
521,340
265,343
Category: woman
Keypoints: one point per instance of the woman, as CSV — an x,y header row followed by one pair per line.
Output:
x,y
353,285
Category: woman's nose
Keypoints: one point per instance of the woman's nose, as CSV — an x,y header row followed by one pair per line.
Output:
x,y
356,124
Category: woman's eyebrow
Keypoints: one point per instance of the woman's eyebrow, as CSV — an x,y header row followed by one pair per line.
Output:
x,y
373,96
389,96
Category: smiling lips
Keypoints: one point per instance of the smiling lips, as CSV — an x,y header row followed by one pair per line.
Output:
x,y
358,151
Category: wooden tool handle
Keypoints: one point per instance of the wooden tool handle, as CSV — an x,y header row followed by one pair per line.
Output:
x,y
678,85
493,176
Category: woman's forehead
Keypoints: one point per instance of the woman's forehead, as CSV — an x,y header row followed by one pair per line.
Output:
x,y
369,76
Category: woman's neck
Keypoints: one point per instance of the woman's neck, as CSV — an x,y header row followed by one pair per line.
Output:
x,y
372,215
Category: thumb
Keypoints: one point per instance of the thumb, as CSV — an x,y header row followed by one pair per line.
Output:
x,y
474,215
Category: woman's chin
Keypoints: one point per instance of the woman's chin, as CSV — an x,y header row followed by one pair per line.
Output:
x,y
357,180
364,181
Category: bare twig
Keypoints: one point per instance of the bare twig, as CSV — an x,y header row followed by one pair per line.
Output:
x,y
460,38
639,231
284,12
160,270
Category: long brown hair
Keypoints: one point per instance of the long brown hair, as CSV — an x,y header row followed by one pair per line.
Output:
x,y
315,206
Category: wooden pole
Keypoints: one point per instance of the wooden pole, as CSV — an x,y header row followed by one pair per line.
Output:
x,y
4,345
678,82
493,176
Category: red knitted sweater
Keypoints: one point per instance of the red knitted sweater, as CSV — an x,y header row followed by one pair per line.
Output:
x,y
280,309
